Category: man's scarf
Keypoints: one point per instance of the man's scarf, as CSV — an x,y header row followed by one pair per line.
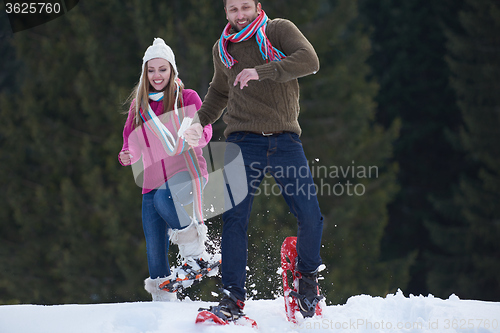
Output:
x,y
257,28
175,145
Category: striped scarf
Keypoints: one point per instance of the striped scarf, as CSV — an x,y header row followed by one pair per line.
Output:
x,y
174,145
257,28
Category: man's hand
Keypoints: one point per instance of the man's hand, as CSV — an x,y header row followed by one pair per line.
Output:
x,y
193,134
246,75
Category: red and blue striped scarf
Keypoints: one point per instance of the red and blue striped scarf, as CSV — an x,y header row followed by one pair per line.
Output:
x,y
257,28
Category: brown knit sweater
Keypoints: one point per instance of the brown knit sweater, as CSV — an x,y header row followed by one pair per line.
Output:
x,y
270,104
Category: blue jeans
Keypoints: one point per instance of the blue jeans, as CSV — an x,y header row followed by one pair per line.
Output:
x,y
163,209
283,157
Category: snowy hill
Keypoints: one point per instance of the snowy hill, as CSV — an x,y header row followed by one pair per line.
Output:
x,y
394,313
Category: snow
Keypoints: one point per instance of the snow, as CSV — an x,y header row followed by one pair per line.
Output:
x,y
363,313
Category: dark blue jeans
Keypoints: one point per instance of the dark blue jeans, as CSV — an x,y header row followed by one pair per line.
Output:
x,y
163,209
283,157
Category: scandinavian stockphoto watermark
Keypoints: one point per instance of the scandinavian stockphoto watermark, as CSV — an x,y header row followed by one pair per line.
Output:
x,y
333,180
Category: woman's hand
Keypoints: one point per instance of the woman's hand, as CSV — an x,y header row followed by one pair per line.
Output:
x,y
193,134
125,157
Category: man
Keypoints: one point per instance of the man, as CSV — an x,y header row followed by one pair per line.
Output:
x,y
257,62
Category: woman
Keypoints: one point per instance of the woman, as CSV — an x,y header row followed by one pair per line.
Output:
x,y
174,173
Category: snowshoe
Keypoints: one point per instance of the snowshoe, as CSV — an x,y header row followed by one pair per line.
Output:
x,y
229,310
303,294
191,272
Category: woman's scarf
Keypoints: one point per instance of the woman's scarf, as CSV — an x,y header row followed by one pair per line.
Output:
x,y
257,28
175,145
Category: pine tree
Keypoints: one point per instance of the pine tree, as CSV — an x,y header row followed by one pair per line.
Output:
x,y
339,115
467,264
408,62
9,66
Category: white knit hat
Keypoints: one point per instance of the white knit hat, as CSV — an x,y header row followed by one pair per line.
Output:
x,y
160,50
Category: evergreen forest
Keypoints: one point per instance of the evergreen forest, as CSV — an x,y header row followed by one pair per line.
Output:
x,y
400,126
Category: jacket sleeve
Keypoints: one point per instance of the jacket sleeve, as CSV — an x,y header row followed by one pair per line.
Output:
x,y
215,100
301,58
207,135
130,141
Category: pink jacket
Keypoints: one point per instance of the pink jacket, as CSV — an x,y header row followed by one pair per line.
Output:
x,y
142,142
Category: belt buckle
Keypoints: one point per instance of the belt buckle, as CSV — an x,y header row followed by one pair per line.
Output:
x,y
267,134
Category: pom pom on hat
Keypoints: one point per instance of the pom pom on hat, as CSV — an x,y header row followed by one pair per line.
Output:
x,y
160,50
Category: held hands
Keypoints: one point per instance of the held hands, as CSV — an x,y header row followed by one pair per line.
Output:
x,y
193,134
246,75
125,157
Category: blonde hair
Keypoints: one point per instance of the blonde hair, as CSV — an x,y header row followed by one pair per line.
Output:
x,y
139,98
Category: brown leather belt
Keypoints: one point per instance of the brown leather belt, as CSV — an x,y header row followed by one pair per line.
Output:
x,y
267,133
